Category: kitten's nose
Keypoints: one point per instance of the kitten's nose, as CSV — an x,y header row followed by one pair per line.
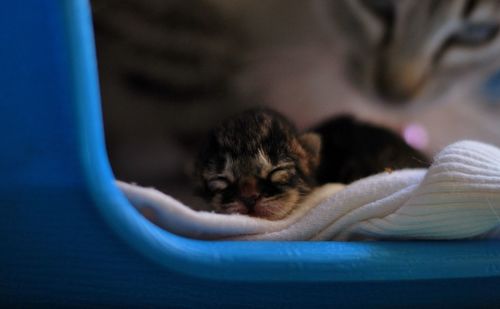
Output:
x,y
250,201
249,193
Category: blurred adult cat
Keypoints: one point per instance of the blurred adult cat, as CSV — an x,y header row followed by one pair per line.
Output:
x,y
171,69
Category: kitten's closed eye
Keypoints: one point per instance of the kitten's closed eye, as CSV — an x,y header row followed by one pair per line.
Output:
x,y
217,184
281,175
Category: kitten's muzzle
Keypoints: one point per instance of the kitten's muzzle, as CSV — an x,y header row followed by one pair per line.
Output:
x,y
249,193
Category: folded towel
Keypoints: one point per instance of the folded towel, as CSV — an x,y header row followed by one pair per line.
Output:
x,y
457,197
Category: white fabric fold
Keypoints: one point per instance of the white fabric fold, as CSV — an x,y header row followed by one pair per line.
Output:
x,y
457,197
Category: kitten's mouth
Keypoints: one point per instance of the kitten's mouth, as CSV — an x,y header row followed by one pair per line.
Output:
x,y
271,210
274,208
235,208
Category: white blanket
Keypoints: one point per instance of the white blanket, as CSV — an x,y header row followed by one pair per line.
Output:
x,y
457,197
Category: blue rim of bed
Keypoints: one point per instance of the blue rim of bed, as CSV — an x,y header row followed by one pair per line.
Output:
x,y
247,261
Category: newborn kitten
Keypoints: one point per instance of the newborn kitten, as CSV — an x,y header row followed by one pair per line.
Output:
x,y
257,164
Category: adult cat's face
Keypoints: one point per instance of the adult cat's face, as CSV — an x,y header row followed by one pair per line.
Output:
x,y
256,164
404,50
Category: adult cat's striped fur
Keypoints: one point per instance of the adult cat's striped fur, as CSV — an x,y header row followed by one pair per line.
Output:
x,y
165,69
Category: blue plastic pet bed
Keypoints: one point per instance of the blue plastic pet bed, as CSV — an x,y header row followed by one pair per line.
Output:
x,y
70,237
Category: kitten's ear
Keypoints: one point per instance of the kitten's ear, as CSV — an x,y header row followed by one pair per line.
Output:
x,y
312,144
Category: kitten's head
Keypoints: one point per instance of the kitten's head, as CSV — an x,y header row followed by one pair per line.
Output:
x,y
408,50
255,163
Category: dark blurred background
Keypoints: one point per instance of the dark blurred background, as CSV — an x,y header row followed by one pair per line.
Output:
x,y
171,69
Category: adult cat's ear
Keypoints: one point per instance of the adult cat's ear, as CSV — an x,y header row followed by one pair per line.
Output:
x,y
311,142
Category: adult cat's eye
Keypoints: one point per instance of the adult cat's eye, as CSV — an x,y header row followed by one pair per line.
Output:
x,y
476,33
218,183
